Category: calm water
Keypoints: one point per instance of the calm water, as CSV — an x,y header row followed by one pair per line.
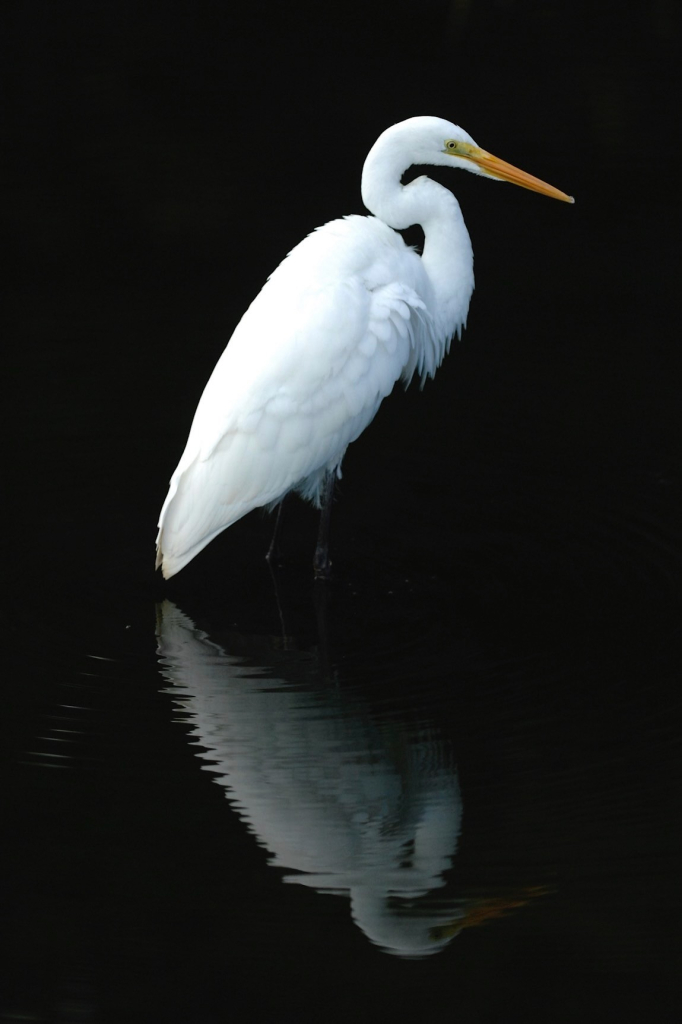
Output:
x,y
447,784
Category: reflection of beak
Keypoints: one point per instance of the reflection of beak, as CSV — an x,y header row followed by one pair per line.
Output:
x,y
479,911
497,168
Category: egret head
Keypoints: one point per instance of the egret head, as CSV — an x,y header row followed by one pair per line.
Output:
x,y
471,157
434,141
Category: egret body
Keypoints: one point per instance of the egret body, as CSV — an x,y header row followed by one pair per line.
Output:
x,y
350,311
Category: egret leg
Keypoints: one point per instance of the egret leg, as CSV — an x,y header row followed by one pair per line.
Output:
x,y
274,549
321,596
321,564
287,644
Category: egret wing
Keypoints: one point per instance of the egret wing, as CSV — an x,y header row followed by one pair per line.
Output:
x,y
302,376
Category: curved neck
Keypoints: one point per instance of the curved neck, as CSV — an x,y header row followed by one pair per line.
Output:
x,y
447,256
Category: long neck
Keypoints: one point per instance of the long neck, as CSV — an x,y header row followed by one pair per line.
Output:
x,y
447,256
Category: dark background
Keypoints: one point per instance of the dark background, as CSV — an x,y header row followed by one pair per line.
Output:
x,y
159,161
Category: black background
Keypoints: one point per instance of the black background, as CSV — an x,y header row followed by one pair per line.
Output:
x,y
160,160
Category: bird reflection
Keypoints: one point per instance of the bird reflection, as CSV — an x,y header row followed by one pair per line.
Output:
x,y
356,805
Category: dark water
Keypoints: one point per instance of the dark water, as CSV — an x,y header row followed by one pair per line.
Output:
x,y
446,785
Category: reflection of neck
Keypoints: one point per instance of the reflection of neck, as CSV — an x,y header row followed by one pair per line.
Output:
x,y
401,928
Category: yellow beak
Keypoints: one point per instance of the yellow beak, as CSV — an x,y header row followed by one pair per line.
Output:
x,y
507,172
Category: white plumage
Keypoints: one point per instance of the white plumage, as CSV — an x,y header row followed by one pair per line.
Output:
x,y
351,310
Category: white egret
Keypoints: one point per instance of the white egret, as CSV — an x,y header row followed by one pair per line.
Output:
x,y
350,311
